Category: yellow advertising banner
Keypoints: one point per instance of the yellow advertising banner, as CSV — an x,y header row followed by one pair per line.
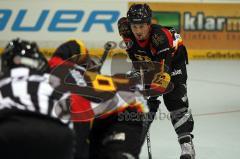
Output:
x,y
209,29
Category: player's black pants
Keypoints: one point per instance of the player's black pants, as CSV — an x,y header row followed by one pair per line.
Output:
x,y
26,136
116,137
82,130
176,101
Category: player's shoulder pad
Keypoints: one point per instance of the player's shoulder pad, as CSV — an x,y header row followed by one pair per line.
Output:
x,y
175,34
159,36
124,27
171,29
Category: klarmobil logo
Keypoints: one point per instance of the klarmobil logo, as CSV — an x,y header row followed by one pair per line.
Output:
x,y
198,21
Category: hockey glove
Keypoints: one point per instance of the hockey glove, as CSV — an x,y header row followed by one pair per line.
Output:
x,y
123,27
161,81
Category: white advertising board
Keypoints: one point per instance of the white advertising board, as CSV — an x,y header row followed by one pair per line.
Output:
x,y
52,22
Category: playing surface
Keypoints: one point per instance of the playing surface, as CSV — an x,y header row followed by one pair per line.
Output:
x,y
214,96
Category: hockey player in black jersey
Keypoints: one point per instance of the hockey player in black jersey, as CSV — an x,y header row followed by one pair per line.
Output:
x,y
154,43
30,127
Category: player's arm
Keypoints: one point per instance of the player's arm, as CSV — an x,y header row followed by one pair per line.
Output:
x,y
180,49
163,43
124,28
126,34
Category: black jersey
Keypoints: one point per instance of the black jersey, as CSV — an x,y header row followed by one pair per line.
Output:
x,y
164,43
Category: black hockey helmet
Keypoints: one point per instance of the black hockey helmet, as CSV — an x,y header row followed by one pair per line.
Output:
x,y
19,53
71,48
139,13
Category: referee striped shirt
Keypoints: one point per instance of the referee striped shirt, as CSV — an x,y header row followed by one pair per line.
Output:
x,y
25,90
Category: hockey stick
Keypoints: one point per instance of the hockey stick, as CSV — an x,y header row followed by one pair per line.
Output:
x,y
146,124
107,47
149,145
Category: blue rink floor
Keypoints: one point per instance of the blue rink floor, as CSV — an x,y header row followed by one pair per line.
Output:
x,y
214,97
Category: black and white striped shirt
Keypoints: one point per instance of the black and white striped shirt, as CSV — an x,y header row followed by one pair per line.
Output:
x,y
25,90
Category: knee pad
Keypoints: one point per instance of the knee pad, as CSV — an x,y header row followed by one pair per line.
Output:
x,y
182,121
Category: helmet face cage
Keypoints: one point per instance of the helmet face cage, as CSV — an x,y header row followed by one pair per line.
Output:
x,y
23,53
139,13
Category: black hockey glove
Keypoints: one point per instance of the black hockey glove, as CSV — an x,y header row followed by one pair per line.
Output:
x,y
123,27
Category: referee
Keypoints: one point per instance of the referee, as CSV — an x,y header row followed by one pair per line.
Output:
x,y
30,127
